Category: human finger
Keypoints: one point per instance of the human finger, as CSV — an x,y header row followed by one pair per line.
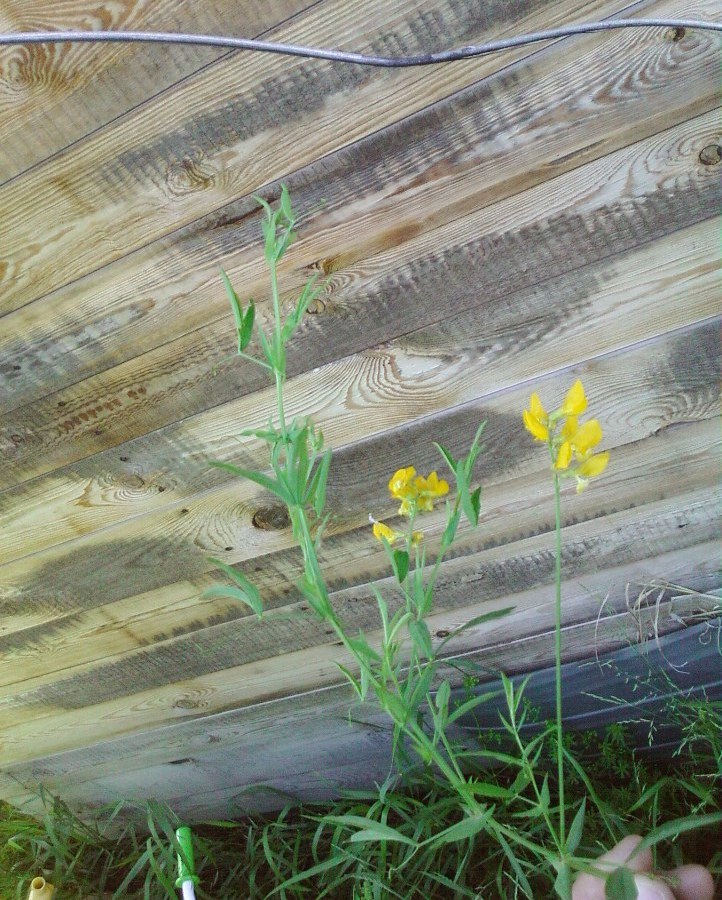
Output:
x,y
590,887
691,883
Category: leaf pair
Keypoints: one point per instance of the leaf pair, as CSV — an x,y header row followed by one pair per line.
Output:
x,y
242,590
277,226
244,320
463,470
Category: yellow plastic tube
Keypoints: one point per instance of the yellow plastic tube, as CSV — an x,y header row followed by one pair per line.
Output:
x,y
40,889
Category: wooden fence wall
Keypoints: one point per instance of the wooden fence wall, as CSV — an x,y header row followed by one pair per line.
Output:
x,y
485,228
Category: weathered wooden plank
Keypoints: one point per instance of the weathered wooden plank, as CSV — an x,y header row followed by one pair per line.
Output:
x,y
228,780
348,201
635,393
53,95
497,644
173,628
82,711
239,124
420,374
479,260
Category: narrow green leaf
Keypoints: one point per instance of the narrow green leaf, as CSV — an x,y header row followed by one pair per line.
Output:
x,y
442,696
477,620
235,593
363,650
670,830
246,331
294,319
383,610
419,633
321,478
463,830
545,795
475,500
417,689
471,705
474,451
467,506
286,205
284,243
577,828
371,830
452,524
400,563
352,679
265,204
620,885
450,461
380,833
245,591
233,297
515,864
267,348
495,791
332,863
258,478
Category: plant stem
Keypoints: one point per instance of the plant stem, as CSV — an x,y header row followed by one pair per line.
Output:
x,y
558,654
279,369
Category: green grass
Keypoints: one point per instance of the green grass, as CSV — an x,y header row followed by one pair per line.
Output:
x,y
311,851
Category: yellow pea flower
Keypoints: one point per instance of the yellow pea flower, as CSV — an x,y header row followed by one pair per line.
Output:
x,y
569,429
586,437
382,531
536,408
428,490
594,465
401,483
534,426
385,532
564,456
575,402
405,508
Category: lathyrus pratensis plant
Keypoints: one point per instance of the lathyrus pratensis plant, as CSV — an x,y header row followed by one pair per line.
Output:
x,y
299,467
401,669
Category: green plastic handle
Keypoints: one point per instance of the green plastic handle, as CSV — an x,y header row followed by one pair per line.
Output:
x,y
185,858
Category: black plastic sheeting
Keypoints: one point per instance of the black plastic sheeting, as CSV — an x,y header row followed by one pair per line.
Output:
x,y
644,686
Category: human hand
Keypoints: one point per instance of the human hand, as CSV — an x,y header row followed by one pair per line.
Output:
x,y
682,883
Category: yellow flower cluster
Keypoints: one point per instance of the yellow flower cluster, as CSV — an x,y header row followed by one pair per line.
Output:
x,y
417,493
571,444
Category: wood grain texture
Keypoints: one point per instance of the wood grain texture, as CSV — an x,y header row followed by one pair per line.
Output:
x,y
483,230
348,201
222,134
83,711
82,658
173,628
226,133
53,95
262,731
637,394
353,399
561,228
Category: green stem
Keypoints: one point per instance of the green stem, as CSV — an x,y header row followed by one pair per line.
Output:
x,y
279,369
442,551
558,654
253,359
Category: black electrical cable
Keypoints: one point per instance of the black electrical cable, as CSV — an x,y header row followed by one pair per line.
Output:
x,y
207,40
